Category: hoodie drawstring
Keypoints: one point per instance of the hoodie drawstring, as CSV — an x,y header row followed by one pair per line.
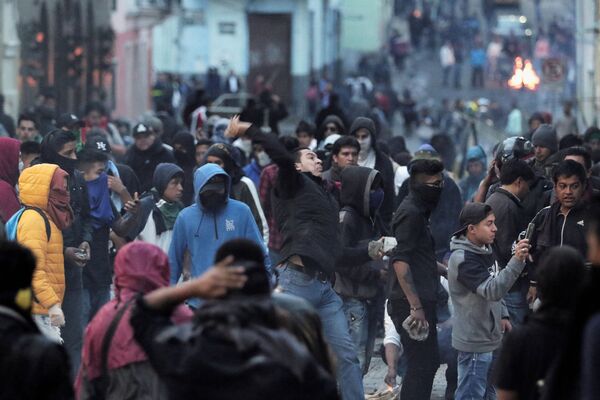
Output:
x,y
215,223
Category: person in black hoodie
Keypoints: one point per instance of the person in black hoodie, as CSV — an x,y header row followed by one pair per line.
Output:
x,y
358,281
363,129
184,152
145,154
31,366
58,147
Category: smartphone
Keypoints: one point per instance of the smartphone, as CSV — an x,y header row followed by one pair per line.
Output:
x,y
529,231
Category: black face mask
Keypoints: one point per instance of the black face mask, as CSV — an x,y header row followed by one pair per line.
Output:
x,y
213,200
429,195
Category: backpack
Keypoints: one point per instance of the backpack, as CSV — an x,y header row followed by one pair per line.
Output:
x,y
13,223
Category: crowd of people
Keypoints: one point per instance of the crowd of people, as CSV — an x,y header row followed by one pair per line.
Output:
x,y
230,258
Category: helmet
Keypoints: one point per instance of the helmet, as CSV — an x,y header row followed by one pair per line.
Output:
x,y
514,147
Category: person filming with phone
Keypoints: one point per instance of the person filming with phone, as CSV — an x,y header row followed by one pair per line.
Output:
x,y
477,287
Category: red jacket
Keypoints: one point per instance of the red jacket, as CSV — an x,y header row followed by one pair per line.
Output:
x,y
139,268
9,174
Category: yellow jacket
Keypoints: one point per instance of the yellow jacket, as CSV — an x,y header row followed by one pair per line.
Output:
x,y
49,276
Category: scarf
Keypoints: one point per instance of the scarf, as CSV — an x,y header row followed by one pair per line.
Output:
x,y
59,209
169,212
99,197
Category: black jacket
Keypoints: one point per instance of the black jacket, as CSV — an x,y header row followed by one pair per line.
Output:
x,y
307,215
553,229
540,193
144,163
358,276
234,349
31,366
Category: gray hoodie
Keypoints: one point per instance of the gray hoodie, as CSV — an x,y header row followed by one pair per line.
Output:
x,y
477,287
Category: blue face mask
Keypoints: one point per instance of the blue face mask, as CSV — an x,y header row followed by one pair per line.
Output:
x,y
375,200
99,198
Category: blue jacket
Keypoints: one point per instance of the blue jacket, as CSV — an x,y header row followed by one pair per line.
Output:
x,y
202,232
253,171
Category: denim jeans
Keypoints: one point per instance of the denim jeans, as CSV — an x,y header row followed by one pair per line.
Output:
x,y
517,306
72,306
474,376
358,321
335,327
93,299
423,358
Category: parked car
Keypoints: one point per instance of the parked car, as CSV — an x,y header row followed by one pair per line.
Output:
x,y
229,104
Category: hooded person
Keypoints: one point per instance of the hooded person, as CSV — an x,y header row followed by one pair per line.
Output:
x,y
161,206
184,151
58,147
44,187
476,169
139,269
237,338
242,187
145,154
21,344
371,157
331,125
9,174
358,275
213,219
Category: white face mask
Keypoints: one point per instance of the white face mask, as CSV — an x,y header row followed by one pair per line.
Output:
x,y
365,146
263,159
21,166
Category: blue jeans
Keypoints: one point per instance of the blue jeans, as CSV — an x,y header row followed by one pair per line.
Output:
x,y
93,299
474,376
335,327
517,306
72,332
358,322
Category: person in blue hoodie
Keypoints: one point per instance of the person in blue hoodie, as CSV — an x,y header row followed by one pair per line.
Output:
x,y
212,220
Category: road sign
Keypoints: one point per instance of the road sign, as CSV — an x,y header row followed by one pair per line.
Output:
x,y
553,70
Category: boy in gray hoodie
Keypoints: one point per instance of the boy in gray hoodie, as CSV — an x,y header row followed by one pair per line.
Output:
x,y
476,289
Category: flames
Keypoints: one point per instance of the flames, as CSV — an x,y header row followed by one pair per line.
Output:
x,y
524,76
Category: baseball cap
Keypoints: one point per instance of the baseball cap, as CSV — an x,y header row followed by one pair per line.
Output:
x,y
98,143
141,129
472,214
68,120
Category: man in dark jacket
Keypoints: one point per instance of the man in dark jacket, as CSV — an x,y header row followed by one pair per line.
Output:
x,y
308,218
506,202
363,129
31,366
358,280
58,147
414,285
145,154
562,223
236,346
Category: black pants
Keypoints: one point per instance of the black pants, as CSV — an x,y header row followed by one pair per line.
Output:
x,y
423,358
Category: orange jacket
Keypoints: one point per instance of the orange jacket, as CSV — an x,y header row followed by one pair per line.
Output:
x,y
49,276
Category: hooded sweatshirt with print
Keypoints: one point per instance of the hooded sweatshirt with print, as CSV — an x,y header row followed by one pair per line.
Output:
x,y
477,287
9,173
202,232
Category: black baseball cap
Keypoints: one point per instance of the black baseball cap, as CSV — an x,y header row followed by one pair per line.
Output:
x,y
141,129
69,120
472,214
98,143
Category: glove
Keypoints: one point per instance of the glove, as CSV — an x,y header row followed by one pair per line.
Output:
x,y
57,318
376,249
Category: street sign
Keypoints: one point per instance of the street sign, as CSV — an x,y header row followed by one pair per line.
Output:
x,y
553,70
